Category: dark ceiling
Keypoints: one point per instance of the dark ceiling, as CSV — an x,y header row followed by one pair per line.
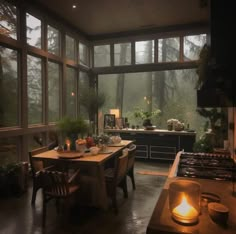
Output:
x,y
98,17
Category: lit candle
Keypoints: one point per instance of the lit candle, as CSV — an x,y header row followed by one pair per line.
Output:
x,y
68,145
184,210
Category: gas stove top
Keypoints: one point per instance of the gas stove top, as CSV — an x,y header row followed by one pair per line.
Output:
x,y
206,165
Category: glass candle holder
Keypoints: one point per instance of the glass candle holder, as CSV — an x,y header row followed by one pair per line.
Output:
x,y
184,201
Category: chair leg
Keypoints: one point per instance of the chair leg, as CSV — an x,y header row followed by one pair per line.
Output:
x,y
124,187
34,193
131,174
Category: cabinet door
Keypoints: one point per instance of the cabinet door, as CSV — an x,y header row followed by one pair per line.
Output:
x,y
164,147
141,143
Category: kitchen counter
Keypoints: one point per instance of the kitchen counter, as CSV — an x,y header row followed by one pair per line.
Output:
x,y
162,222
155,131
157,144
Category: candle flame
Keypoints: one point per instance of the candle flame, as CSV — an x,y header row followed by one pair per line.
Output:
x,y
185,209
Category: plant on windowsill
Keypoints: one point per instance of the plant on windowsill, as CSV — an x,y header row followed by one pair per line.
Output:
x,y
146,116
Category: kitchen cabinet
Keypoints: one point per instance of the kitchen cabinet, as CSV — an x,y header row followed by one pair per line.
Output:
x,y
157,144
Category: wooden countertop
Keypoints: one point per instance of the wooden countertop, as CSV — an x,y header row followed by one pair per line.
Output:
x,y
155,131
162,222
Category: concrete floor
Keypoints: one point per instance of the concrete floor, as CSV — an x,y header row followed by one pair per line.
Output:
x,y
17,216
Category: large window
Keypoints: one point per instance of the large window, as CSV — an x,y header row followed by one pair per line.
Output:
x,y
8,20
70,92
33,31
102,57
53,91
53,40
8,88
34,83
173,92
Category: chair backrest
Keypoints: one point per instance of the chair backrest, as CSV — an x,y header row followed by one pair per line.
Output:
x,y
121,167
36,165
55,183
131,156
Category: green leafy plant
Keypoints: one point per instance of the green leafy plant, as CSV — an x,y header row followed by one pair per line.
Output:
x,y
204,144
91,101
140,113
69,126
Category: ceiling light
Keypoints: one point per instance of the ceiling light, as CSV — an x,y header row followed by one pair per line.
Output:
x,y
74,6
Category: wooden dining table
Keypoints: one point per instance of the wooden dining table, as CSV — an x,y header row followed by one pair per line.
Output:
x,y
93,186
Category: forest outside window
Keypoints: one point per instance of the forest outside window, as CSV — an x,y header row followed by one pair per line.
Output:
x,y
34,83
122,54
172,91
102,57
70,48
8,20
83,54
53,91
33,31
192,46
71,92
169,49
53,40
144,52
9,90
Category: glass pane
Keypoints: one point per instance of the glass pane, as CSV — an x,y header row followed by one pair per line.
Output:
x,y
102,56
83,85
34,76
193,46
168,49
70,92
9,150
36,140
53,40
164,90
144,52
70,47
9,103
8,20
122,54
33,30
83,54
53,91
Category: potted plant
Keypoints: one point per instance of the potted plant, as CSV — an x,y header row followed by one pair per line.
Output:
x,y
71,128
146,116
91,101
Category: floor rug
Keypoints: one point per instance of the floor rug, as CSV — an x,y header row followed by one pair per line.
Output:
x,y
156,173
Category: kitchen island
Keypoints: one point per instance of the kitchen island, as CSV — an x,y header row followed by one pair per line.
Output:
x,y
162,222
157,144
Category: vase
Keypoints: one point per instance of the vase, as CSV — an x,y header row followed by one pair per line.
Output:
x,y
169,127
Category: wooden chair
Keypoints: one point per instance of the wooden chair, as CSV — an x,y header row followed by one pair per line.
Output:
x,y
37,166
57,185
116,177
130,166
